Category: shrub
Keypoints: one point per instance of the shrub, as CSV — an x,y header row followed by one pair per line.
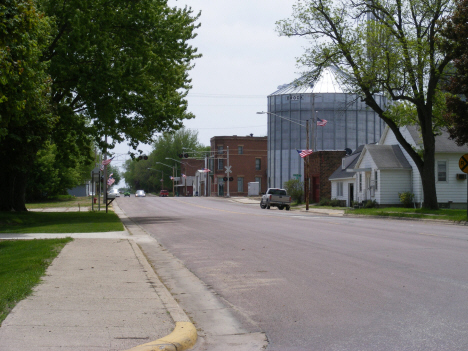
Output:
x,y
335,202
406,198
371,204
295,188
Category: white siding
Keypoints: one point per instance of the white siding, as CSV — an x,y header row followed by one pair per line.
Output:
x,y
365,194
346,182
452,190
391,183
416,186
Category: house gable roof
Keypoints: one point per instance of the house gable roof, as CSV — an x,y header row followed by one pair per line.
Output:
x,y
442,142
385,157
349,162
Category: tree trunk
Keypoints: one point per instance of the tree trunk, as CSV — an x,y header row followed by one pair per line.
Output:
x,y
13,190
427,170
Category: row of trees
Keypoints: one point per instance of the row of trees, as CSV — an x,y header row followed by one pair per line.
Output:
x,y
73,72
147,174
406,50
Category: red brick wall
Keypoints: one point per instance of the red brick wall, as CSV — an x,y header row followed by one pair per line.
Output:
x,y
322,165
242,165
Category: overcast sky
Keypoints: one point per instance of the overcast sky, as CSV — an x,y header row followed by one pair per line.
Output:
x,y
244,60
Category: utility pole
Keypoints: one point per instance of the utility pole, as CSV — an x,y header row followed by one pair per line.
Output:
x,y
306,176
228,195
173,193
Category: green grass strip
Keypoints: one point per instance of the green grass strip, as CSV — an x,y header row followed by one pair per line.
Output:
x,y
59,222
445,214
22,264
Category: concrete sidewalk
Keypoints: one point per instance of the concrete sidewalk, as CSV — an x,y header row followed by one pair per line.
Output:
x,y
98,294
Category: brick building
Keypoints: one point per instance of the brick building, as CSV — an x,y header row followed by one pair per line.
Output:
x,y
248,161
189,167
322,165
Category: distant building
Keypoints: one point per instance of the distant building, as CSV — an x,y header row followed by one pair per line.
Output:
x,y
189,168
247,158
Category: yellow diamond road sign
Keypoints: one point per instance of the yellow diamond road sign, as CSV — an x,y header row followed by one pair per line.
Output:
x,y
463,163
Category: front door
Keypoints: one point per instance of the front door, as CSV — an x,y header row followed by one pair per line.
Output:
x,y
350,194
315,189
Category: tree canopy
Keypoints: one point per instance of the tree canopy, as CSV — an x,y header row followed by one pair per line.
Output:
x,y
80,70
122,64
392,48
26,120
456,35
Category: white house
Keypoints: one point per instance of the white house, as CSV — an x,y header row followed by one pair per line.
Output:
x,y
343,181
384,170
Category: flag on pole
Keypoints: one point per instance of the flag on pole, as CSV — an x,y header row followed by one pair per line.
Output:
x,y
206,170
110,175
110,181
321,122
106,162
171,178
304,153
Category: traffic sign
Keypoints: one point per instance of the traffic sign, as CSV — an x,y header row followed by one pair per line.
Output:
x,y
463,163
228,169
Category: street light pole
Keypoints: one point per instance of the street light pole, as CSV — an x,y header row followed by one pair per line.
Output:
x,y
306,176
306,159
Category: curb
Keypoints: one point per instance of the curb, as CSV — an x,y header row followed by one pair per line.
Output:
x,y
183,337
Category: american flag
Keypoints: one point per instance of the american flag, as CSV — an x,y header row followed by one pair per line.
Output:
x,y
106,162
110,181
171,178
321,122
304,153
206,170
110,175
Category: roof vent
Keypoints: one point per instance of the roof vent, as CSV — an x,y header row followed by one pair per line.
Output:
x,y
251,134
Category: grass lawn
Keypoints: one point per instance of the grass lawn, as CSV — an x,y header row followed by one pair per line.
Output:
x,y
450,215
59,222
22,264
63,201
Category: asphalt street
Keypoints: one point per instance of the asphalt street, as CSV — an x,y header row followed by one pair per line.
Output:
x,y
315,282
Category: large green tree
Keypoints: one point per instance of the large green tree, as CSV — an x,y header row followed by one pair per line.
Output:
x,y
117,69
390,47
123,64
456,41
25,117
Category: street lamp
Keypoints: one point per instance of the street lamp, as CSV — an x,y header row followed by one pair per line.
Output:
x,y
162,175
173,193
306,160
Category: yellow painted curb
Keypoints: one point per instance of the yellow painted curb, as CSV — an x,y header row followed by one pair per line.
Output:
x,y
183,337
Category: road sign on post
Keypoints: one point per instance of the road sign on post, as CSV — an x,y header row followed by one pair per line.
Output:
x,y
463,163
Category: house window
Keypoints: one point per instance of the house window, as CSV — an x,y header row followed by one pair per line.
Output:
x,y
258,164
220,163
240,150
376,179
220,149
360,181
442,171
339,189
240,184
